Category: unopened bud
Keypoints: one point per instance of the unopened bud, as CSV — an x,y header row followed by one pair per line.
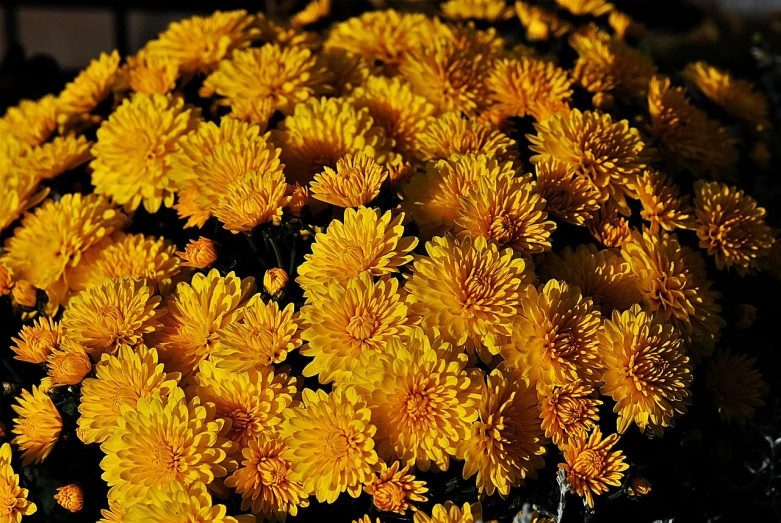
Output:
x,y
70,497
25,293
200,253
638,487
274,281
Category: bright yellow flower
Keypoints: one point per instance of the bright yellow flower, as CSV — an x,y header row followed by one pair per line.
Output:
x,y
488,10
737,386
13,498
89,88
257,198
567,411
150,75
355,182
274,281
18,191
567,197
526,86
586,7
452,134
38,426
68,365
591,466
540,24
200,253
53,158
392,489
313,12
451,513
663,204
178,503
36,342
70,497
31,122
330,439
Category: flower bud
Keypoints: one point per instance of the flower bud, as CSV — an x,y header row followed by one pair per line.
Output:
x,y
638,487
200,253
70,497
275,281
25,293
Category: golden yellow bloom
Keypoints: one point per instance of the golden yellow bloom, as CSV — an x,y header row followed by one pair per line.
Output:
x,y
610,155
25,294
70,497
53,158
274,281
121,379
554,338
672,281
178,503
6,281
282,76
13,502
257,198
346,70
507,211
89,88
567,411
602,275
608,227
36,342
330,440
638,487
127,256
468,291
31,122
423,399
567,197
663,204
350,324
132,154
119,504
646,371
299,198
69,364
586,7
527,86
149,75
321,131
624,26
264,479
53,238
451,513
452,134
166,440
313,12
540,24
19,190
198,44
366,241
263,335
736,96
687,138
737,386
117,312
506,444
38,426
591,466
392,489
356,181
488,10
731,226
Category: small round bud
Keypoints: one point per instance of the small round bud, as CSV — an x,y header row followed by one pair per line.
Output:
x,y
70,497
275,281
638,487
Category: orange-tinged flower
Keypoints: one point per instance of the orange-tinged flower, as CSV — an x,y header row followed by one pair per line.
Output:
x,y
586,7
540,24
89,88
13,502
25,294
200,253
488,10
453,134
591,466
567,197
527,86
737,386
356,181
69,364
452,513
299,198
393,490
6,281
38,426
638,487
608,227
663,204
274,281
70,497
568,411
148,74
37,341
314,11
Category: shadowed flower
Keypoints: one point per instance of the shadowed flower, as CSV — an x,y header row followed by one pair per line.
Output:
x,y
38,426
525,86
488,10
453,134
356,181
70,497
346,70
24,294
392,489
586,7
68,365
591,466
37,341
149,74
540,24
567,197
608,227
89,88
737,387
13,502
313,12
624,26
51,159
567,411
31,122
663,204
451,513
200,253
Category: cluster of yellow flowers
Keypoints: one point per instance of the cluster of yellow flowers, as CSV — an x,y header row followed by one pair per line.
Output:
x,y
434,320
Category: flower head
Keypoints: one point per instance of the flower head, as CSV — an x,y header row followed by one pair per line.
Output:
x,y
540,24
567,197
150,74
68,365
527,86
37,341
356,181
31,122
737,386
314,11
452,513
347,70
608,227
89,88
13,503
19,190
274,281
567,411
25,294
38,426
663,204
591,466
51,159
200,253
451,134
257,198
70,497
178,503
392,489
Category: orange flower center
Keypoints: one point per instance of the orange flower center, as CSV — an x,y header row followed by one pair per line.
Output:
x,y
558,199
240,420
590,464
390,497
341,444
418,405
273,471
167,459
504,228
362,327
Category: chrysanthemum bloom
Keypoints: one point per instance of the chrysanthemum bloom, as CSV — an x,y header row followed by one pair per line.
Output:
x,y
127,256
178,503
264,479
625,26
121,379
663,204
646,371
200,253
116,312
468,291
586,7
423,400
150,74
591,466
554,338
24,294
284,77
608,227
313,12
319,132
286,34
350,324
89,88
6,281
737,387
274,281
257,198
18,192
53,158
13,502
299,198
434,199
38,426
506,444
68,365
70,497
252,401
198,44
393,490
508,211
451,513
567,197
686,137
36,342
526,86
736,96
356,181
540,24
196,311
672,281
602,275
452,134
366,241
166,440
330,440
346,70
488,10
132,153
119,503
31,122
53,238
610,155
568,410
731,226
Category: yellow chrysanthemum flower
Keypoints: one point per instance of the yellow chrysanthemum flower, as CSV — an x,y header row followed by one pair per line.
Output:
x,y
68,365
257,198
586,7
177,503
423,400
567,197
355,182
121,379
591,466
51,159
554,338
540,24
737,387
608,227
200,253
53,238
452,134
346,70
736,96
663,204
134,145
731,226
313,12
13,499
150,75
70,497
36,342
393,490
506,444
31,122
116,312
38,426
488,10
451,513
330,439
93,85
264,479
672,281
198,44
646,371
18,191
527,86
366,241
567,411
195,313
